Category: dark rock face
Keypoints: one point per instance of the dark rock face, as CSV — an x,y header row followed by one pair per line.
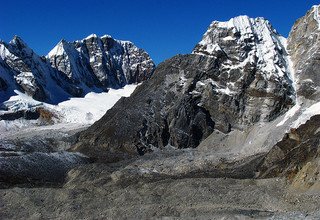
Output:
x,y
6,82
304,47
3,85
149,117
72,69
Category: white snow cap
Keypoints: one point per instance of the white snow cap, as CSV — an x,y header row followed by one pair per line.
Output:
x,y
243,24
17,40
58,50
106,36
91,36
266,42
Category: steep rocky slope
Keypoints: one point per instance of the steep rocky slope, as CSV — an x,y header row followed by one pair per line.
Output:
x,y
237,76
304,47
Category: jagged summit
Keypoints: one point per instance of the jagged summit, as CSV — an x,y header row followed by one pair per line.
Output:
x,y
243,40
71,69
16,45
111,63
91,36
16,40
59,48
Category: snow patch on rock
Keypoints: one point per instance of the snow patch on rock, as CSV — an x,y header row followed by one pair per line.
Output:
x,y
91,36
93,106
316,14
307,114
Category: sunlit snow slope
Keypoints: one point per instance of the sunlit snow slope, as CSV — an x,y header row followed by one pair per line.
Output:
x,y
84,110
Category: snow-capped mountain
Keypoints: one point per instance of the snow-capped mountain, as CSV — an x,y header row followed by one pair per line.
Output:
x,y
246,41
102,62
71,69
30,73
237,76
251,54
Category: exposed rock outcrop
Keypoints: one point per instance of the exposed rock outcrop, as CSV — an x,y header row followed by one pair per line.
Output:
x,y
304,47
298,147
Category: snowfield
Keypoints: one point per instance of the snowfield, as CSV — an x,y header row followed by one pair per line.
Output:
x,y
83,111
93,106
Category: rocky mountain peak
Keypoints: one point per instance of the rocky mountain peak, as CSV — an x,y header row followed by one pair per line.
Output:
x,y
16,49
246,41
59,49
237,76
91,36
17,41
249,49
110,63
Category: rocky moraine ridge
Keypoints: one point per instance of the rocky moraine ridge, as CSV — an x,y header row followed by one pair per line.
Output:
x,y
229,131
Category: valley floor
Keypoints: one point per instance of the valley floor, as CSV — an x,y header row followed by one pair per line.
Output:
x,y
100,191
49,182
93,194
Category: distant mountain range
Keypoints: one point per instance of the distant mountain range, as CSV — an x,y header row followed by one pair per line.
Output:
x,y
71,69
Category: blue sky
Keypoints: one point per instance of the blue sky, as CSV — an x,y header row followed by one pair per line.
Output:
x,y
163,28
